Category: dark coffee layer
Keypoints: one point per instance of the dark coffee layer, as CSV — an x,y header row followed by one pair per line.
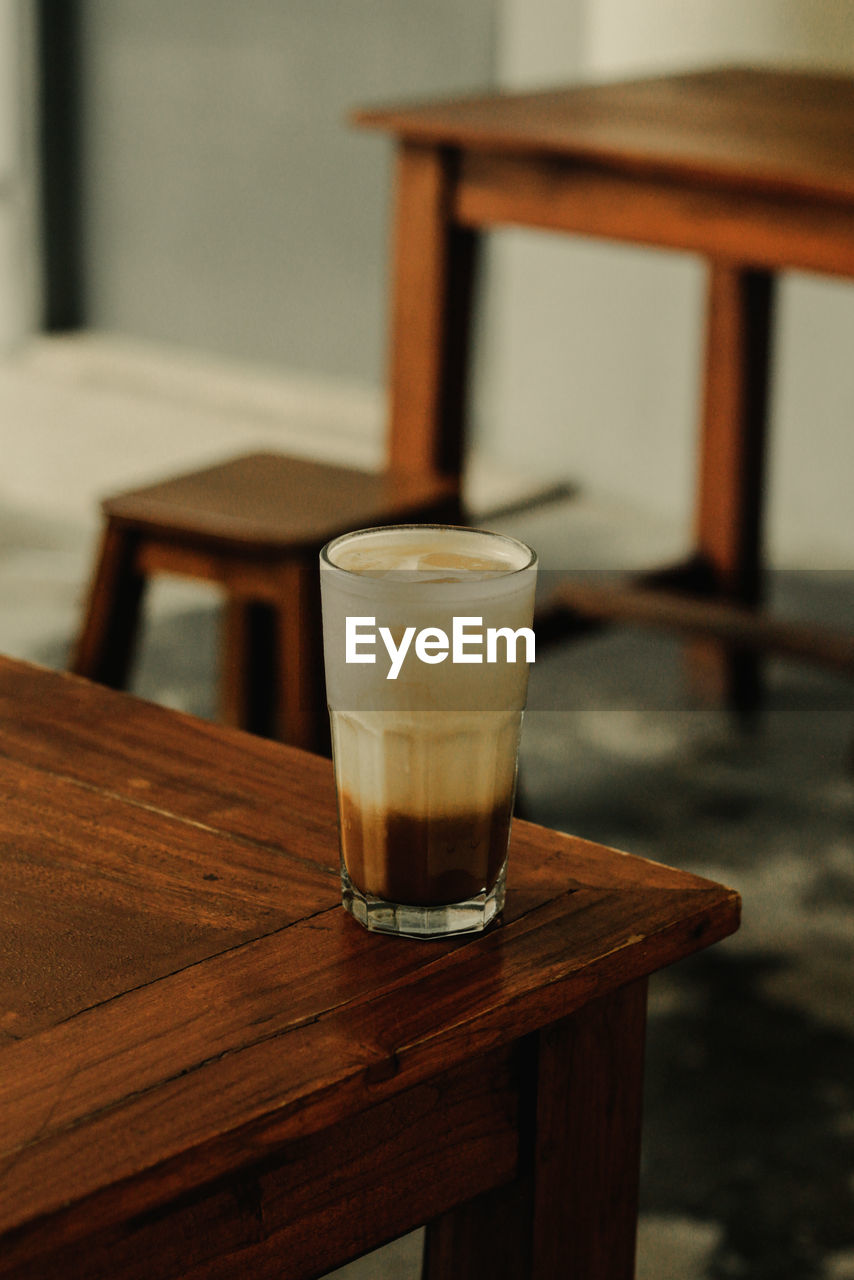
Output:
x,y
423,861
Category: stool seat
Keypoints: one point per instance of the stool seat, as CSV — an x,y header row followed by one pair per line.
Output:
x,y
253,524
274,503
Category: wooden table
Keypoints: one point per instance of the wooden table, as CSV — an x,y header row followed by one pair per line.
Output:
x,y
752,169
208,1069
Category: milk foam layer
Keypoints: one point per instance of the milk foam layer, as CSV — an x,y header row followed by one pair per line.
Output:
x,y
463,573
454,558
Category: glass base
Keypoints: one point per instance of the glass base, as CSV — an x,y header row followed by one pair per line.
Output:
x,y
411,921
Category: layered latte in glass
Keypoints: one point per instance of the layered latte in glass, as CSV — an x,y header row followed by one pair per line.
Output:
x,y
427,642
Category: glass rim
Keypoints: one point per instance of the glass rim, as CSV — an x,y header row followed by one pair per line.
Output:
x,y
502,572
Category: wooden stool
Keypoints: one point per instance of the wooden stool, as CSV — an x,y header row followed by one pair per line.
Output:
x,y
254,525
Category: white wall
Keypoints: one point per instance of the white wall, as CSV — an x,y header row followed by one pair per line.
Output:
x,y
17,230
651,35
590,353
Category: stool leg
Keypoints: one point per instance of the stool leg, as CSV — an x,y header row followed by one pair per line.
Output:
x,y
303,719
732,465
272,671
433,273
104,649
248,673
573,1211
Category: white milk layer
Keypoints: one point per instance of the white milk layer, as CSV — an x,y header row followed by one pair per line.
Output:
x,y
438,763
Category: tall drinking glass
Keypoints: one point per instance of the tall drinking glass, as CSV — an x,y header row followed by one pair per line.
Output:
x,y
427,642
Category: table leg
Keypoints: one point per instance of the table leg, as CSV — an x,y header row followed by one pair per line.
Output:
x,y
732,464
572,1214
433,274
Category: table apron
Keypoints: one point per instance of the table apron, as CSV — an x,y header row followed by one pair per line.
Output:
x,y
320,1200
779,232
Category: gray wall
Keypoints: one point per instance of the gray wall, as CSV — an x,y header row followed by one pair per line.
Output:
x,y
229,207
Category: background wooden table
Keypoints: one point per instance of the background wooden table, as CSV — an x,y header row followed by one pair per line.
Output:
x,y
207,1069
751,168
